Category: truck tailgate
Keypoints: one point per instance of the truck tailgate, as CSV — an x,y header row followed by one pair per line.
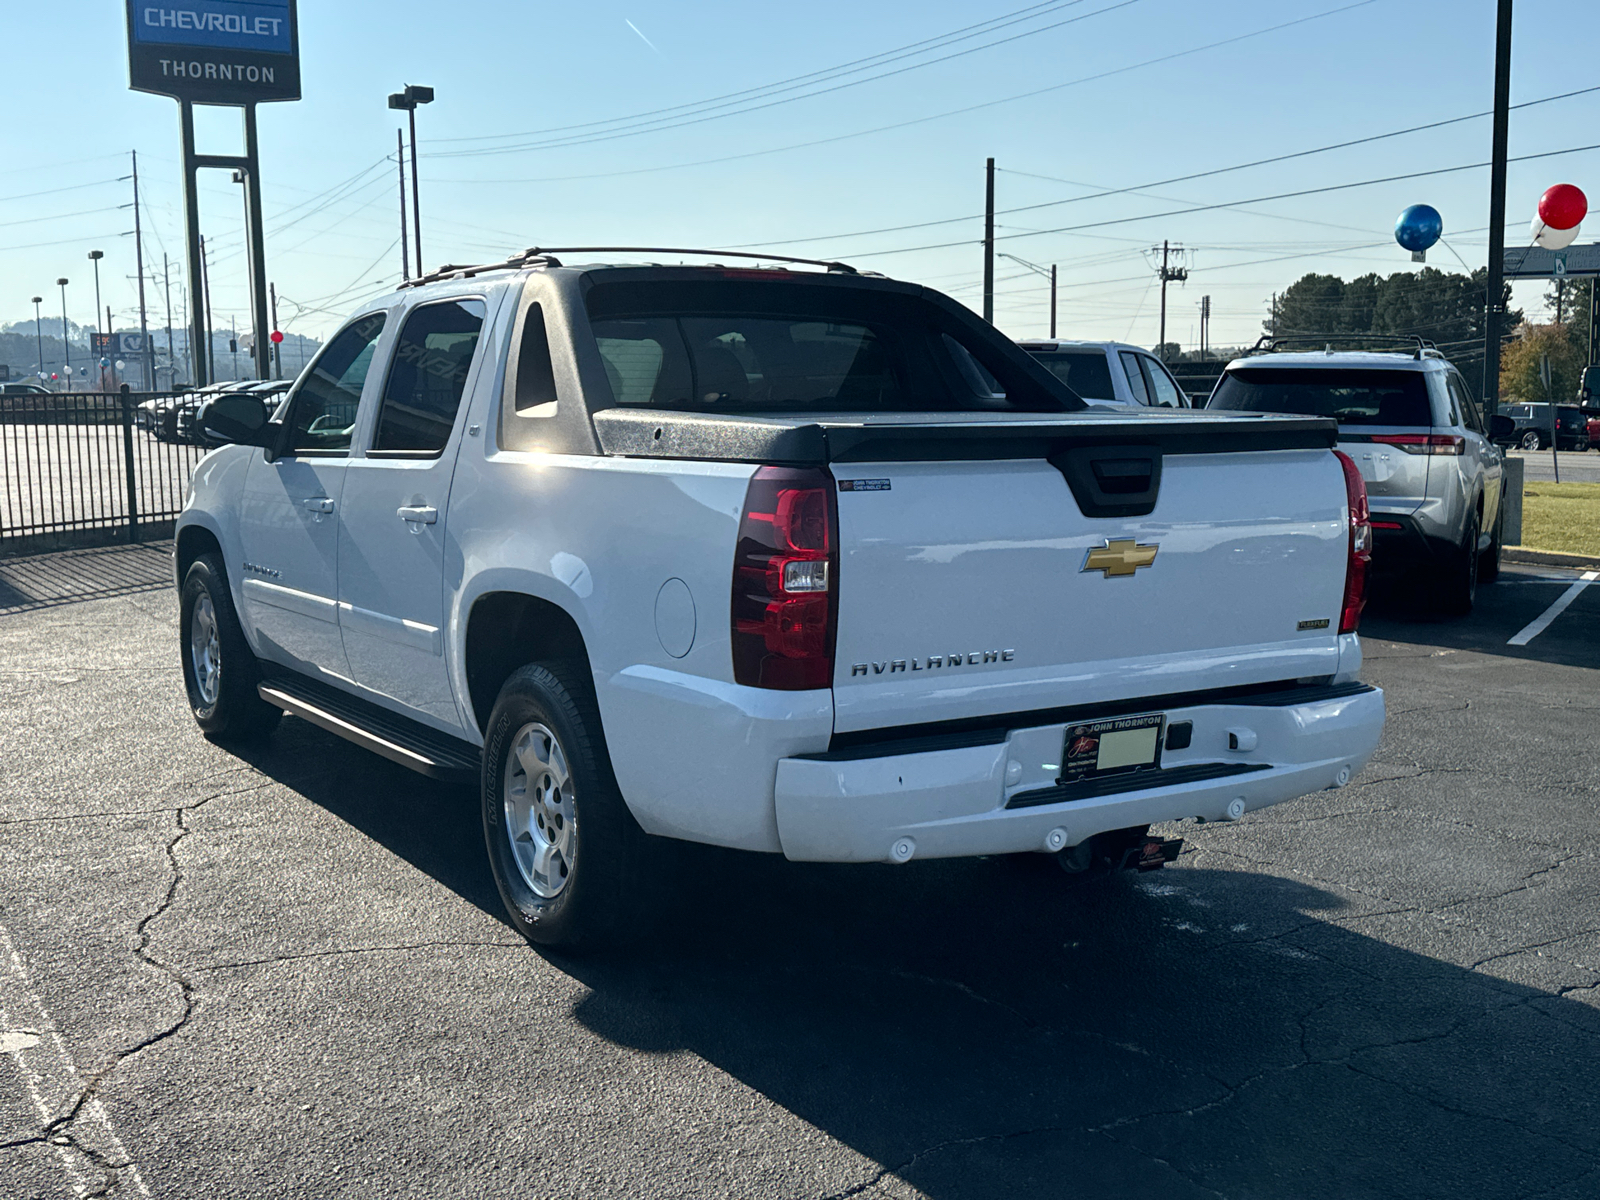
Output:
x,y
969,588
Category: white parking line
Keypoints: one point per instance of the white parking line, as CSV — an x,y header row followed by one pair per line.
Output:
x,y
1542,622
29,1035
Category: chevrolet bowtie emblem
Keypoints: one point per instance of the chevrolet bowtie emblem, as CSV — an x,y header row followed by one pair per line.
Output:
x,y
1121,557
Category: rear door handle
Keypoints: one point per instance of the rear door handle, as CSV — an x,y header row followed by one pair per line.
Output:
x,y
319,504
420,513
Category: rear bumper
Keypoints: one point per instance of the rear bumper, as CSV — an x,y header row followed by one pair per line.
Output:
x,y
1001,797
1400,545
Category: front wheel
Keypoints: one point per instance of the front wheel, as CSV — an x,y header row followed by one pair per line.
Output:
x,y
219,671
562,845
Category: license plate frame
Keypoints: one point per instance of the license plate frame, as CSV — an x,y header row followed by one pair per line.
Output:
x,y
1085,745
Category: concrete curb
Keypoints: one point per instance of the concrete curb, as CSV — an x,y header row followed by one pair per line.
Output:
x,y
1549,558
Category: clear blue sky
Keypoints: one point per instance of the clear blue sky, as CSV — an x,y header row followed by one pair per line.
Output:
x,y
504,67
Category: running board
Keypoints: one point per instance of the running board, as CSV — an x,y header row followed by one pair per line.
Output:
x,y
426,751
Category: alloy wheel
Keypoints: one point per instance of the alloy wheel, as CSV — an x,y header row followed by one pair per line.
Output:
x,y
205,650
541,821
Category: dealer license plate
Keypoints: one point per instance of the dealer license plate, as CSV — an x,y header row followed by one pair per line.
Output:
x,y
1113,746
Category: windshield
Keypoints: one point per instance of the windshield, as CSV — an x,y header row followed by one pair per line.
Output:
x,y
1350,396
743,348
1084,371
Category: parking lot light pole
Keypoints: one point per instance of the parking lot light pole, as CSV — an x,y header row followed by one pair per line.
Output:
x,y
38,333
1048,273
66,346
407,101
95,256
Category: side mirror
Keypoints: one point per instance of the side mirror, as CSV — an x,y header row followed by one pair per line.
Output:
x,y
241,420
1501,426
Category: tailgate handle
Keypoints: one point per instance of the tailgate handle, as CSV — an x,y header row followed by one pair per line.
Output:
x,y
1112,481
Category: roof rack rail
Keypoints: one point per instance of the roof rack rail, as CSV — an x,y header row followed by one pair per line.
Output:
x,y
547,254
1420,347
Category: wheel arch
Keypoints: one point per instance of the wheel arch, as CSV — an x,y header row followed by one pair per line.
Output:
x,y
193,540
508,629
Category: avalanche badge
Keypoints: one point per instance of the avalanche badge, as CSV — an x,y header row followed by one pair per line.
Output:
x,y
1121,557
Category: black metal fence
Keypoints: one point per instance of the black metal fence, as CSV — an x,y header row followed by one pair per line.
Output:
x,y
81,468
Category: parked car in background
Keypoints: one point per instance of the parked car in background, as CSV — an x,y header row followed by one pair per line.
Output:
x,y
1434,475
1532,430
1592,423
23,389
1110,374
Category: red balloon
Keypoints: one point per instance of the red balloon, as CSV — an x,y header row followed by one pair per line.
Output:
x,y
1563,207
277,336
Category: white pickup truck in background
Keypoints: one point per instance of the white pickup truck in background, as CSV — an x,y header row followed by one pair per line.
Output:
x,y
760,558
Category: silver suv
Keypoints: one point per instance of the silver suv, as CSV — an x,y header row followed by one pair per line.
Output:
x,y
1434,475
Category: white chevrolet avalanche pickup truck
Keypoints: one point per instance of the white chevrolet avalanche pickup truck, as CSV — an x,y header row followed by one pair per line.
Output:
x,y
759,557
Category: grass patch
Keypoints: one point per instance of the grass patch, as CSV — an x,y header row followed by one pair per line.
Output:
x,y
1561,516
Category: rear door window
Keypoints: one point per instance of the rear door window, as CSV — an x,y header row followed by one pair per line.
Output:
x,y
1136,383
1351,396
427,377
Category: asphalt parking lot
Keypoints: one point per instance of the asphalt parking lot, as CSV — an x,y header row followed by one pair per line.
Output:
x,y
283,973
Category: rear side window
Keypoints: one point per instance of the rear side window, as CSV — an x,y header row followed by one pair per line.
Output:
x,y
1136,384
1350,396
1084,371
742,347
427,377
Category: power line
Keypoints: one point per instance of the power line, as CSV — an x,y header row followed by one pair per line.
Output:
x,y
890,55
1334,187
1101,195
1150,62
661,126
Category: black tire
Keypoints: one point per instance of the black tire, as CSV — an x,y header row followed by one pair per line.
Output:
x,y
1489,562
225,704
587,895
1531,440
1457,587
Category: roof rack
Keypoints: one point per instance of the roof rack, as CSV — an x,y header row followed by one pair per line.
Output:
x,y
546,255
1269,343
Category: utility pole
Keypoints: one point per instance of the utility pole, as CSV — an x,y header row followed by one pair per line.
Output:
x,y
1205,324
233,343
1052,300
1495,285
988,243
210,350
1168,275
166,276
400,160
148,359
277,347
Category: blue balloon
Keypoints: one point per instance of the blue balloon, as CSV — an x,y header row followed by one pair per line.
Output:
x,y
1419,227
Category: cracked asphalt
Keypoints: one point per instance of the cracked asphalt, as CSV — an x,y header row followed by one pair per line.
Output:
x,y
284,973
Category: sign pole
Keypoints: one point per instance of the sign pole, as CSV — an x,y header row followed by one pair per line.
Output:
x,y
191,233
256,239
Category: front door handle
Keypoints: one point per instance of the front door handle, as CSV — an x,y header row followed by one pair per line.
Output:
x,y
420,513
319,504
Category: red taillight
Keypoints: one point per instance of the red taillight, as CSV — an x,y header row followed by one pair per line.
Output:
x,y
785,580
1360,560
1424,443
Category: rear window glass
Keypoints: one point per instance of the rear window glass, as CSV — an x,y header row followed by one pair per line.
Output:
x,y
740,347
1084,371
1351,397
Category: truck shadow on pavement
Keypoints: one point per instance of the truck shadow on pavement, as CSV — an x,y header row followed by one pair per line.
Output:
x,y
986,1029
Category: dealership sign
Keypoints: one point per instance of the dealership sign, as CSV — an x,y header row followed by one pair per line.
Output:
x,y
214,51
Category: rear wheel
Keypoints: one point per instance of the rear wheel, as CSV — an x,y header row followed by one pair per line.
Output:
x,y
1532,440
1489,562
219,671
1457,587
562,845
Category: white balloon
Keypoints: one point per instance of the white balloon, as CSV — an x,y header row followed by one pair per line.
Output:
x,y
1553,239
